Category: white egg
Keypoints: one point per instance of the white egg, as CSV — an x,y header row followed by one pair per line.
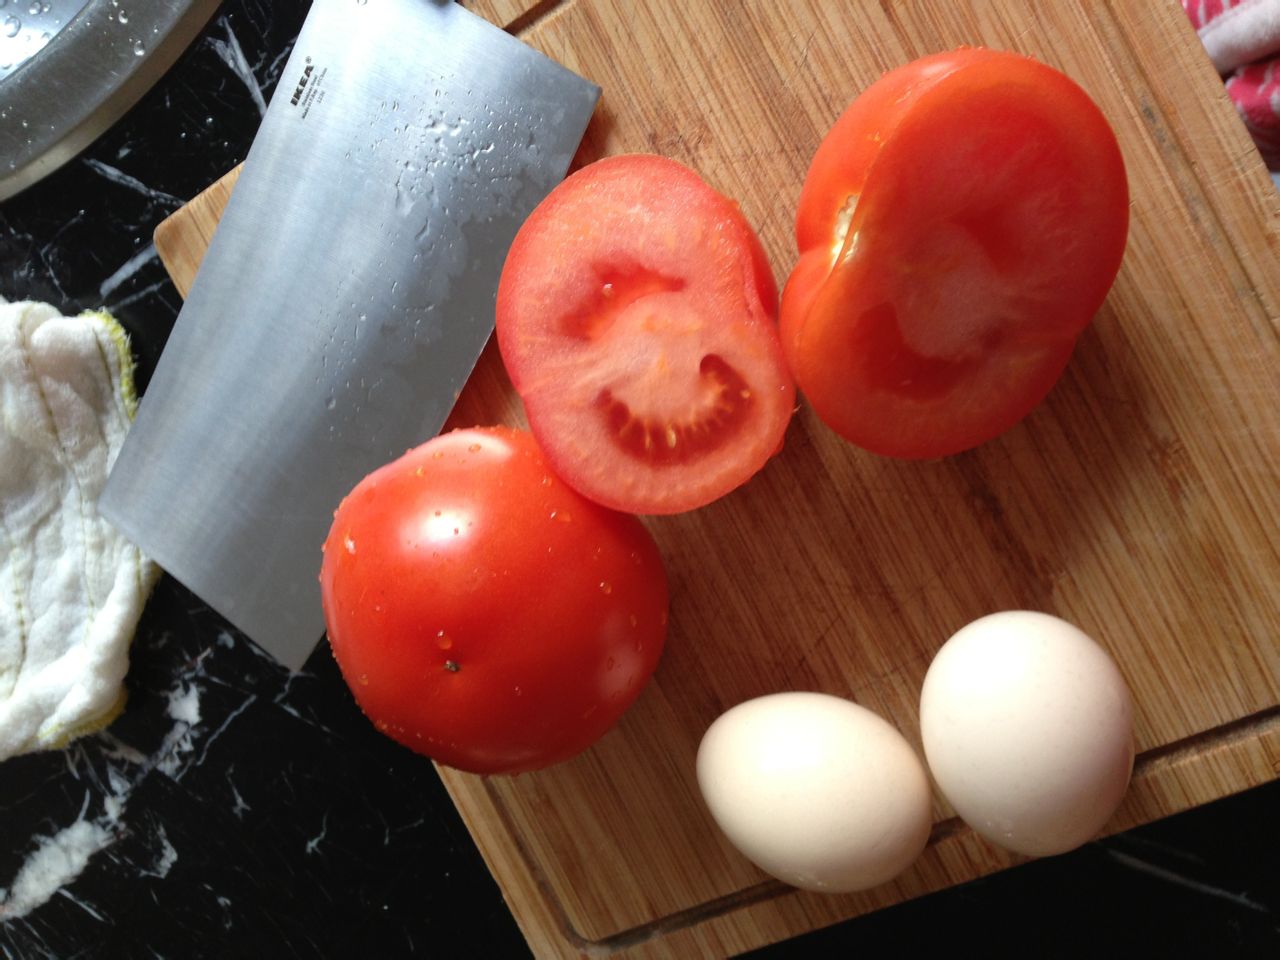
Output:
x,y
1028,731
816,790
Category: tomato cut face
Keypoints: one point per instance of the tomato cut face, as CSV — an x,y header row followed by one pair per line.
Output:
x,y
959,227
484,613
636,318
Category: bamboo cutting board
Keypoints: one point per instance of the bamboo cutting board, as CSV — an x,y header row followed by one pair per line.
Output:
x,y
1139,502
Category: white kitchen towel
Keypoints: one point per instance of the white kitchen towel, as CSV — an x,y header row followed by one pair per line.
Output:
x,y
71,587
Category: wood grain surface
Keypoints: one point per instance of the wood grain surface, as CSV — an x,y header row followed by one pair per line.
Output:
x,y
1140,501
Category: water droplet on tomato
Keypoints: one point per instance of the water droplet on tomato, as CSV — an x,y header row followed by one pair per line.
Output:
x,y
349,542
635,621
564,516
606,586
474,448
519,692
443,640
382,726
547,481
437,455
364,679
610,664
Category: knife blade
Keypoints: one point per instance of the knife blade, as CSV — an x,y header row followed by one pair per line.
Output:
x,y
344,299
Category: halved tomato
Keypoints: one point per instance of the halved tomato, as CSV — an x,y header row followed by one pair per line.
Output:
x,y
636,318
959,227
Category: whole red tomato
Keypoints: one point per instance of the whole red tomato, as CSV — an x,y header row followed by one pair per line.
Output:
x,y
637,316
959,227
485,614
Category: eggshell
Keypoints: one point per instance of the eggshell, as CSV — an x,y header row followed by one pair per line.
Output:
x,y
816,790
1028,731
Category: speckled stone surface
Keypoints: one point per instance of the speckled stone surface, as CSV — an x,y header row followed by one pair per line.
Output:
x,y
236,810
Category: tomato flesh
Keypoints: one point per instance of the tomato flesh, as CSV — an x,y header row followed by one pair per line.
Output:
x,y
959,228
636,318
484,613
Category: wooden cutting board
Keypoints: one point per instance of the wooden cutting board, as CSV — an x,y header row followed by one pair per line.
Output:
x,y
1140,501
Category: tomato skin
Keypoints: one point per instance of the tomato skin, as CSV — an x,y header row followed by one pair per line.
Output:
x,y
636,317
485,614
959,227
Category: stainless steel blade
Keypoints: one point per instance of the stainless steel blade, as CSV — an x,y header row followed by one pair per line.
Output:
x,y
344,300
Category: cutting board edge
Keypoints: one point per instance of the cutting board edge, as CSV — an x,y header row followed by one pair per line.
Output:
x,y
178,253
1249,746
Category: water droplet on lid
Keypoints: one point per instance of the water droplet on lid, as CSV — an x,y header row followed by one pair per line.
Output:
x,y
11,26
138,48
122,16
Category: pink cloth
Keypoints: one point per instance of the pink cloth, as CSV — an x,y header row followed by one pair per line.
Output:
x,y
1242,38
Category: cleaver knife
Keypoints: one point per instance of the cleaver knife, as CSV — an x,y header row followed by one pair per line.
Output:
x,y
344,300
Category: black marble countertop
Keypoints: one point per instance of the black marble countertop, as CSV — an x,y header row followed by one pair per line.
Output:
x,y
238,810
